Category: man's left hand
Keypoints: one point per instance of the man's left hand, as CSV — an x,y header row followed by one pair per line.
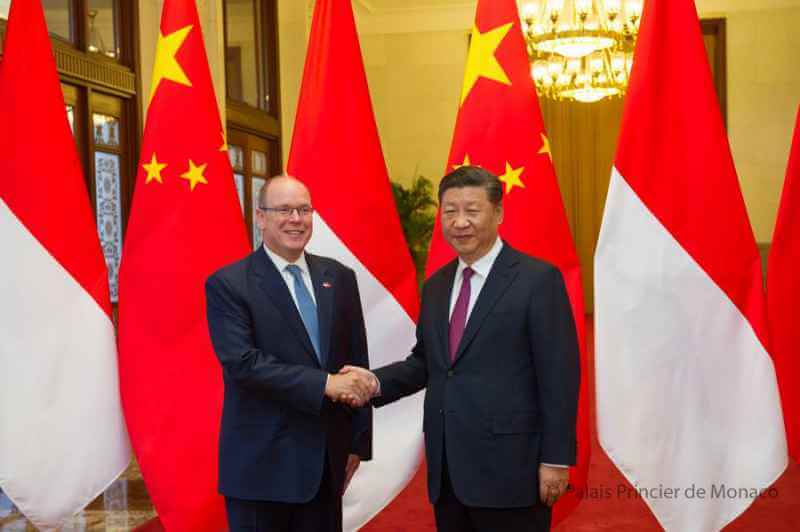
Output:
x,y
353,461
552,483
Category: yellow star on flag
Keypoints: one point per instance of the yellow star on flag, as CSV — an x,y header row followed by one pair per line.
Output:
x,y
465,163
154,170
481,61
512,177
195,175
545,147
166,66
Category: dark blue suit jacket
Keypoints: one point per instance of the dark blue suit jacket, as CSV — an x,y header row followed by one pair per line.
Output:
x,y
277,425
509,401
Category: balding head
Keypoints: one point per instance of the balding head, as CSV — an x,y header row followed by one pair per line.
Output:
x,y
262,193
285,216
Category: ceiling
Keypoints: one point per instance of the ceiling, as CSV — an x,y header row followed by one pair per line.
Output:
x,y
702,5
410,5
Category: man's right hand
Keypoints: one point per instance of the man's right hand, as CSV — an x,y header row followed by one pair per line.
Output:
x,y
368,377
356,387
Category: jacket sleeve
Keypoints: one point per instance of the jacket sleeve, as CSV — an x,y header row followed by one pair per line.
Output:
x,y
231,329
556,357
362,417
406,377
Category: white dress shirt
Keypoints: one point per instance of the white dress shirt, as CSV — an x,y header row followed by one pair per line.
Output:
x,y
301,263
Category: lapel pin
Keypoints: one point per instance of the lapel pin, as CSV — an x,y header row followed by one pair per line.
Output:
x,y
326,284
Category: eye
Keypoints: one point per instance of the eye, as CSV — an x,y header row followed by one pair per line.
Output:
x,y
285,211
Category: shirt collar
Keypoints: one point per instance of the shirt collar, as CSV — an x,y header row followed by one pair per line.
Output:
x,y
483,265
282,263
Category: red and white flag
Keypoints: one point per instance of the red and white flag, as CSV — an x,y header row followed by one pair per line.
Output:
x,y
783,291
336,152
686,391
62,434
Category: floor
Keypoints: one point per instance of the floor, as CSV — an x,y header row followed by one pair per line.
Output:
x,y
608,505
124,506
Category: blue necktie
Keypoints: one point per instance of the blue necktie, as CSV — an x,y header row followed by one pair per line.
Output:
x,y
306,306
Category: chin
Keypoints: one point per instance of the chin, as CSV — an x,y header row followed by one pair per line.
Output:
x,y
466,248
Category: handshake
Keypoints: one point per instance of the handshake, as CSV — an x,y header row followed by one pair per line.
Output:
x,y
353,385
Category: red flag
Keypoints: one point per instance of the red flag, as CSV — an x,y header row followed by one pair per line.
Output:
x,y
185,223
337,153
500,128
686,389
783,290
58,363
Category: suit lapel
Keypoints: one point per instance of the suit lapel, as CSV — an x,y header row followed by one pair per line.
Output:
x,y
447,279
274,288
500,277
322,279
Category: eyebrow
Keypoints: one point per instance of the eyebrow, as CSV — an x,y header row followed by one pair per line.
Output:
x,y
468,205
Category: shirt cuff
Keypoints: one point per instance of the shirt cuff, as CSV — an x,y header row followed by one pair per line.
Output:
x,y
561,466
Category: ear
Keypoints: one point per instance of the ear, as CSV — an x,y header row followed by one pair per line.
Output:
x,y
500,213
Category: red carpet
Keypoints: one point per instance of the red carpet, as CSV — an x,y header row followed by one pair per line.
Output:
x,y
780,512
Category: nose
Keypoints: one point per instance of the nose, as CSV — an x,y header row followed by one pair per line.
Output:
x,y
294,216
460,221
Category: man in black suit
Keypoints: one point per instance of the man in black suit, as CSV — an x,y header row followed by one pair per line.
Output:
x,y
283,323
497,352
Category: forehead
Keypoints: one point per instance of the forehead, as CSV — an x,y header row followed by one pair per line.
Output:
x,y
282,191
465,195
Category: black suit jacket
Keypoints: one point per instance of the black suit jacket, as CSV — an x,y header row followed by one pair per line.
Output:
x,y
277,425
509,402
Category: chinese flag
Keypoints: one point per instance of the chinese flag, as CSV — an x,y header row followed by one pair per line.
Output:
x,y
185,223
500,128
783,288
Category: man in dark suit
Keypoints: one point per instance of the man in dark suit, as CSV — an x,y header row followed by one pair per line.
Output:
x,y
497,352
283,322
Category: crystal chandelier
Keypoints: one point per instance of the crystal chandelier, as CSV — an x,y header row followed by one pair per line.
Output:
x,y
581,49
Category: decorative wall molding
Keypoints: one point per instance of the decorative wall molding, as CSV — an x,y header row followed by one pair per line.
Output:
x,y
79,65
76,64
255,123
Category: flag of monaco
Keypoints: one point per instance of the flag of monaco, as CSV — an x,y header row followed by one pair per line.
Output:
x,y
686,389
185,224
783,291
62,434
337,154
499,127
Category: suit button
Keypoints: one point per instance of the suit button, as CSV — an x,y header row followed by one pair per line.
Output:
x,y
450,373
441,411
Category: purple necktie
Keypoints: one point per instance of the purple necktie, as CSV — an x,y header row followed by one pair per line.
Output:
x,y
459,318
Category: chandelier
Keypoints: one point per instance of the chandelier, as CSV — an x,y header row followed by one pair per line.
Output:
x,y
96,43
581,49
